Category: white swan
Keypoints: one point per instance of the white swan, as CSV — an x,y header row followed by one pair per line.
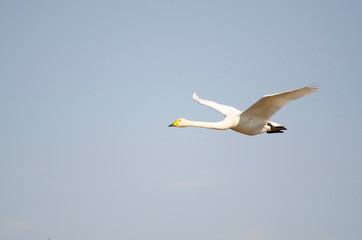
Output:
x,y
255,119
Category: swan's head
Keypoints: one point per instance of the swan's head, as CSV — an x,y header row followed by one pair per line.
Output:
x,y
181,122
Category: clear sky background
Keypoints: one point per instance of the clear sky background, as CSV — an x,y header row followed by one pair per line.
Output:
x,y
88,88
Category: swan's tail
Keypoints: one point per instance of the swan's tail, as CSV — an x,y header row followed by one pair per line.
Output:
x,y
275,128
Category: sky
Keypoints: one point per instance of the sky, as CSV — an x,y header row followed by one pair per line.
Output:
x,y
88,88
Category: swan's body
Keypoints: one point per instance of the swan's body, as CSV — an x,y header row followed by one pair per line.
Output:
x,y
255,119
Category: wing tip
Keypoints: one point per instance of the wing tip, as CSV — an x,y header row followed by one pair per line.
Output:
x,y
195,97
314,87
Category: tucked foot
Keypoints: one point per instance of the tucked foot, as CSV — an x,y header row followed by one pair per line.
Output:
x,y
275,129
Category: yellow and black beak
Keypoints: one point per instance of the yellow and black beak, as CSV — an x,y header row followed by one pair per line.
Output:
x,y
174,124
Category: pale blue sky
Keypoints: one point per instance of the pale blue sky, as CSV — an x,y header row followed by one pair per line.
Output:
x,y
87,89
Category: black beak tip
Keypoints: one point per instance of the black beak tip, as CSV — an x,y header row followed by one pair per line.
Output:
x,y
171,125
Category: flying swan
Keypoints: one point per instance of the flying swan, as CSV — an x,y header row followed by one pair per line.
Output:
x,y
255,119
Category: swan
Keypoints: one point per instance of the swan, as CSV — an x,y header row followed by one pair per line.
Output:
x,y
255,119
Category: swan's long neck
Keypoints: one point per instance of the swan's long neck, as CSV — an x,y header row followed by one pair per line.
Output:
x,y
211,125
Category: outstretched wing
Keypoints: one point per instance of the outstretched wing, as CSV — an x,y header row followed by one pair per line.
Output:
x,y
270,104
226,110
